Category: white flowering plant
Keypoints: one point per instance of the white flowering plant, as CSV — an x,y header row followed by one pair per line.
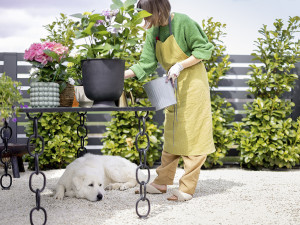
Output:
x,y
112,33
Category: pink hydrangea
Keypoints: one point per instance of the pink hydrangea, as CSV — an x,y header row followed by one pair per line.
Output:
x,y
36,52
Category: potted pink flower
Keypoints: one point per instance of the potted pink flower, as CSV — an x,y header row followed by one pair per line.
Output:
x,y
47,59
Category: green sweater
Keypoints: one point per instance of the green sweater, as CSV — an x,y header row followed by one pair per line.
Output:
x,y
189,36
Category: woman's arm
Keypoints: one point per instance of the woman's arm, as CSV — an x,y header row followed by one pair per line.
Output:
x,y
175,70
192,60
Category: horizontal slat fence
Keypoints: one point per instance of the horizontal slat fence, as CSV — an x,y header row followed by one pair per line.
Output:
x,y
233,87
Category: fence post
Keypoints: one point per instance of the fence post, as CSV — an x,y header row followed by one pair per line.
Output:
x,y
296,97
10,69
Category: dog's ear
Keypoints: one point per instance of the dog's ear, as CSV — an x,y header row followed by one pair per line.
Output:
x,y
78,181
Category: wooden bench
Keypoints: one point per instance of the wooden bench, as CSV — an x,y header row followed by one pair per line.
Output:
x,y
17,151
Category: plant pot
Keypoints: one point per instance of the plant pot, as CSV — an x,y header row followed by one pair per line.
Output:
x,y
81,97
66,97
103,80
44,94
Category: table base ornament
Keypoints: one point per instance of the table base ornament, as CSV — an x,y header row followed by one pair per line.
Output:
x,y
143,164
36,156
82,150
5,134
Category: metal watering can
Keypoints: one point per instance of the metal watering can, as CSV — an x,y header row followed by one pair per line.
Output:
x,y
160,93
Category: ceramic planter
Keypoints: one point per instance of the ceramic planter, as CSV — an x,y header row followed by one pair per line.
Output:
x,y
103,80
44,94
81,97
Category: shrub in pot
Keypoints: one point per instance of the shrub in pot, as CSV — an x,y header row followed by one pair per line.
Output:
x,y
109,36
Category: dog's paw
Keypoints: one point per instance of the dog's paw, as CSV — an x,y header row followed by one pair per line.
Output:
x,y
127,185
124,187
59,195
113,186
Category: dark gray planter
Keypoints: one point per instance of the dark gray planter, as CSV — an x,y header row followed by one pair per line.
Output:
x,y
103,80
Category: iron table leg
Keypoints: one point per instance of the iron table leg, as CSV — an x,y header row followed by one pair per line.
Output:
x,y
143,163
82,150
36,156
5,134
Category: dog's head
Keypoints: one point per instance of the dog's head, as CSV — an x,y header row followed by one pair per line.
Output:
x,y
89,184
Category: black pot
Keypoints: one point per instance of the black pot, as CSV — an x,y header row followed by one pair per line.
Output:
x,y
103,80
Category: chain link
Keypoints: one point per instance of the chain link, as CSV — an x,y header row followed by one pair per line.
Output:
x,y
143,164
6,134
37,171
82,150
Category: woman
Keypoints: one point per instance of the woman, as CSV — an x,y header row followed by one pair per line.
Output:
x,y
179,45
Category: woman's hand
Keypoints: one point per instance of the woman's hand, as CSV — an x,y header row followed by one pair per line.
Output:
x,y
174,72
128,74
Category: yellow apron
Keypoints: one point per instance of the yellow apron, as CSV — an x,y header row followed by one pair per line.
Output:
x,y
192,129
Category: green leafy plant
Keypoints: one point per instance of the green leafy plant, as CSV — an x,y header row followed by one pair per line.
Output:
x,y
121,132
10,98
268,137
59,131
222,112
110,34
61,31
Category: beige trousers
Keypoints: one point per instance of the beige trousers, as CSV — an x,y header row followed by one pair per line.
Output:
x,y
192,165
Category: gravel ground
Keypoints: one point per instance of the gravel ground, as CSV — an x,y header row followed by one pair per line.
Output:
x,y
223,196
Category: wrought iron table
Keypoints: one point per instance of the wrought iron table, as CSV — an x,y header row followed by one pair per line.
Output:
x,y
82,150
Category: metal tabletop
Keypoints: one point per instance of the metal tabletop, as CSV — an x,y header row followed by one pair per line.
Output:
x,y
81,109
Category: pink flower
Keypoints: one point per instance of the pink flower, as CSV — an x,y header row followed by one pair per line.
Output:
x,y
41,58
36,52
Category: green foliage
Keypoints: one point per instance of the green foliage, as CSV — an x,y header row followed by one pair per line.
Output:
x,y
268,137
278,50
74,69
10,97
59,131
111,33
121,133
222,112
218,64
61,31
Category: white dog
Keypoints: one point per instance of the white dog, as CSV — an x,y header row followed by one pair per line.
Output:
x,y
89,176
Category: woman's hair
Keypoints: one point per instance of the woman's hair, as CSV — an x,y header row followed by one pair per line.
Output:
x,y
160,10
